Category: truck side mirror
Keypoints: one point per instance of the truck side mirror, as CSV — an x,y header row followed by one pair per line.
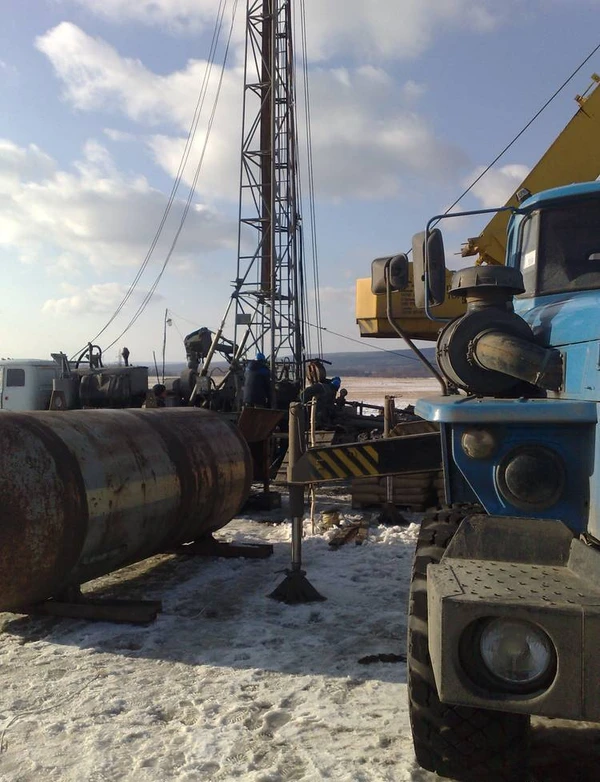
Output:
x,y
434,258
396,268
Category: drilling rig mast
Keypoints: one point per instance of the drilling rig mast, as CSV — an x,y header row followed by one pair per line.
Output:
x,y
268,289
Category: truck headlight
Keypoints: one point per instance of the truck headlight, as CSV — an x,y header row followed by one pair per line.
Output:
x,y
517,654
478,443
531,477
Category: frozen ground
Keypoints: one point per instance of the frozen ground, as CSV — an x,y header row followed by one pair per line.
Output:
x,y
406,390
228,684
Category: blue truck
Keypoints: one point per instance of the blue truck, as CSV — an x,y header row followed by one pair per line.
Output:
x,y
504,605
504,609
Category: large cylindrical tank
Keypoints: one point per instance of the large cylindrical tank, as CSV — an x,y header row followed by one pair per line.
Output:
x,y
84,492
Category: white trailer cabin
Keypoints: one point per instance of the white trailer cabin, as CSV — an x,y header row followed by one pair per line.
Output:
x,y
26,384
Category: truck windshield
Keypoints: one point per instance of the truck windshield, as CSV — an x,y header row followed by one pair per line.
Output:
x,y
568,256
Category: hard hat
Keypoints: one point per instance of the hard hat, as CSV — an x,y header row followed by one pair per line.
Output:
x,y
260,356
336,382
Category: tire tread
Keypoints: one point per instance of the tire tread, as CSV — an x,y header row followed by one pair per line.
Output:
x,y
460,742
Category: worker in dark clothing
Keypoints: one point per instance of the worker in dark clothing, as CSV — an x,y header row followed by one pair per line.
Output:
x,y
341,399
324,393
335,383
257,383
160,394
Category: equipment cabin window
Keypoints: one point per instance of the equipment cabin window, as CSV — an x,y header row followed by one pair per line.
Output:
x,y
569,247
15,377
529,252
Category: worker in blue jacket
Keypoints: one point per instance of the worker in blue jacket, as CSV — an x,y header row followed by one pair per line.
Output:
x,y
257,383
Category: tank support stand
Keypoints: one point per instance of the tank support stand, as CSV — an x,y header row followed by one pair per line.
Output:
x,y
209,547
295,587
73,604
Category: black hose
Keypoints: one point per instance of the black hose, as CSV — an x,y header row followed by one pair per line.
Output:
x,y
500,352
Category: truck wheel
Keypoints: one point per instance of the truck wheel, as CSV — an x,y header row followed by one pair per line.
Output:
x,y
459,742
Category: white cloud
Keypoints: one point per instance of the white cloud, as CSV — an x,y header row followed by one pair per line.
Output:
x,y
372,29
366,141
93,216
397,29
177,16
366,137
498,185
118,135
22,164
95,76
98,299
329,294
412,90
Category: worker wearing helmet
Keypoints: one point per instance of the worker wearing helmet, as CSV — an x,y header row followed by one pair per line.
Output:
x,y
257,383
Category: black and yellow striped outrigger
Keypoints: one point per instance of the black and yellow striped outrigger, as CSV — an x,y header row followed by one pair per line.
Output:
x,y
411,453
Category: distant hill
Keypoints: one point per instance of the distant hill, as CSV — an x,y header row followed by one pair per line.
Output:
x,y
368,363
379,363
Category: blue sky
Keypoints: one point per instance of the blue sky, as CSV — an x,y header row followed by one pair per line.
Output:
x,y
409,99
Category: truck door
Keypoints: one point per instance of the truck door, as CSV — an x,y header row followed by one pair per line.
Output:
x,y
15,394
45,377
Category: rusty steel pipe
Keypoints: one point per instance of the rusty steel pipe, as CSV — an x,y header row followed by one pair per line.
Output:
x,y
85,492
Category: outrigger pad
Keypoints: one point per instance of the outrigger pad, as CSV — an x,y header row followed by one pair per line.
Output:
x,y
295,589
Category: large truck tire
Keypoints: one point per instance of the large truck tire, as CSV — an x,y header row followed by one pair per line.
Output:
x,y
459,742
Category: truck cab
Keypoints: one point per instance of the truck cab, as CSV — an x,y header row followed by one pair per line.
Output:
x,y
504,614
525,359
26,384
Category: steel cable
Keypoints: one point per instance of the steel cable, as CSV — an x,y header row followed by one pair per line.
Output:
x,y
192,190
181,168
520,133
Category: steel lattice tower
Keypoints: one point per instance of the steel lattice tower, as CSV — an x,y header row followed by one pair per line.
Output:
x,y
268,288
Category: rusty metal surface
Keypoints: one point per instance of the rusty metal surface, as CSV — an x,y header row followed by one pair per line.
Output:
x,y
85,492
257,423
43,509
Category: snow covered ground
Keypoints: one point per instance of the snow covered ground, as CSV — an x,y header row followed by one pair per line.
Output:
x,y
406,389
228,684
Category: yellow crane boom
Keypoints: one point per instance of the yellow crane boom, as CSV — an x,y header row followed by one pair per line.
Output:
x,y
574,156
